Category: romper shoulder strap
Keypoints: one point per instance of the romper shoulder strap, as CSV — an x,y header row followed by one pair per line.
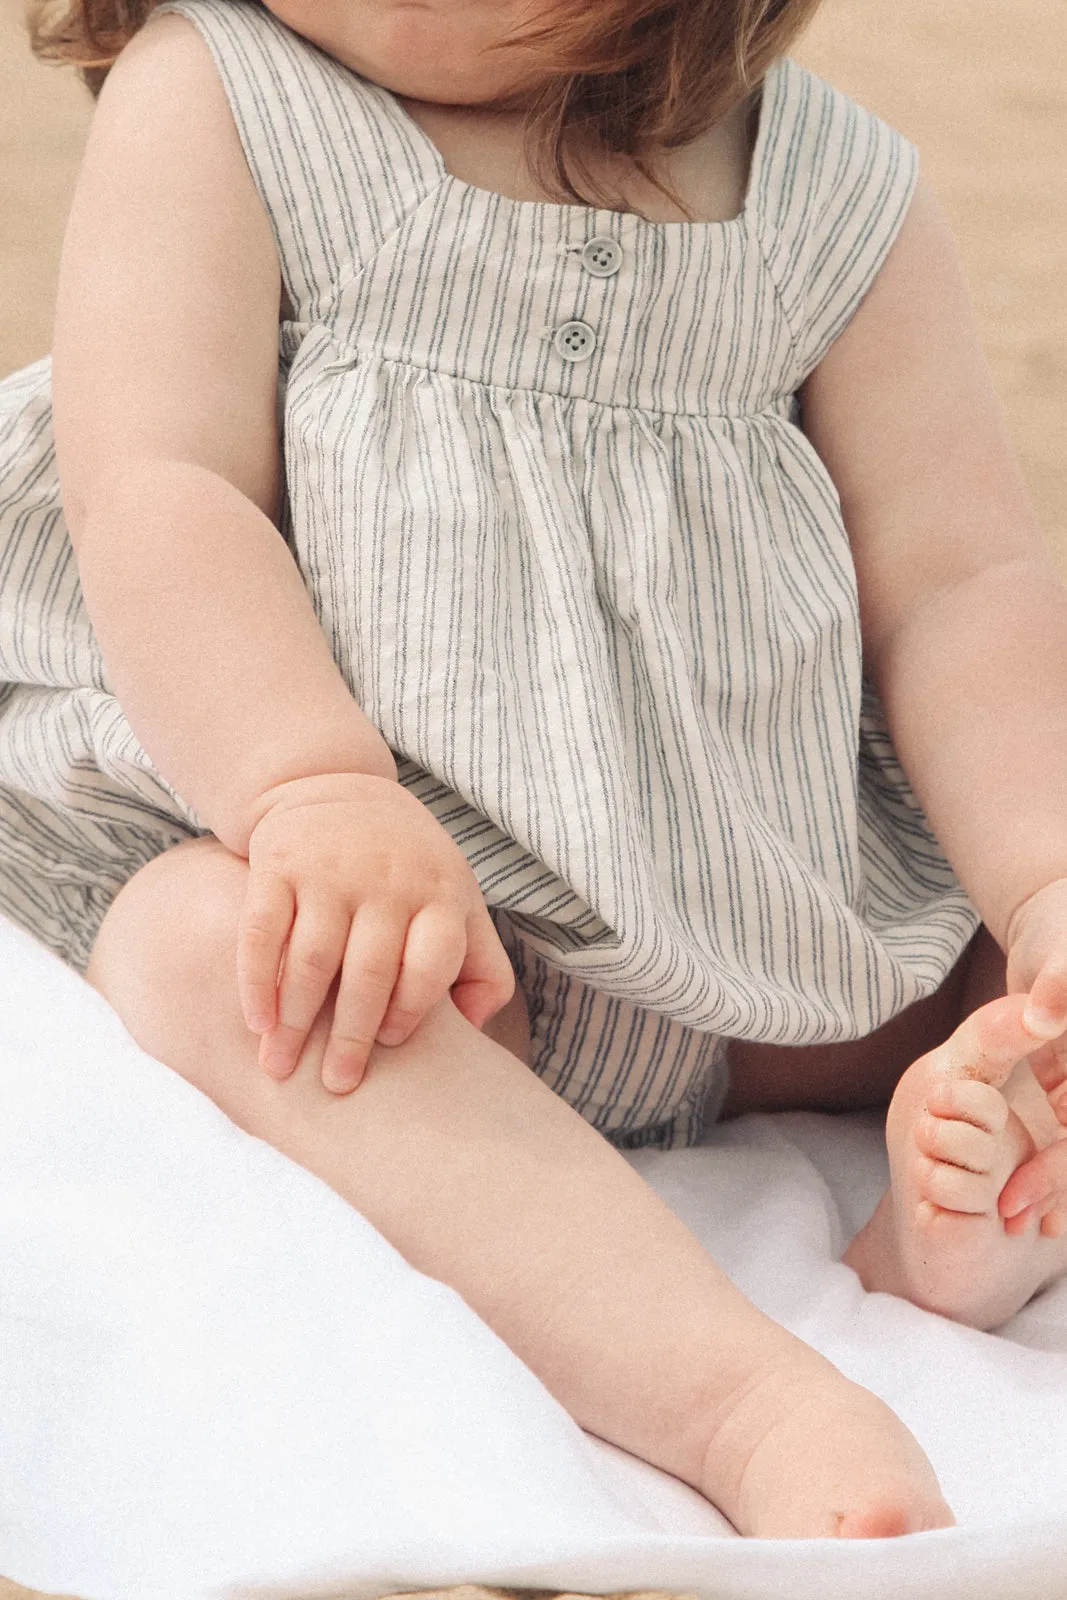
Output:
x,y
336,172
835,184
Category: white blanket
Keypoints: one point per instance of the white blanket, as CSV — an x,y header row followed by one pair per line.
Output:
x,y
216,1379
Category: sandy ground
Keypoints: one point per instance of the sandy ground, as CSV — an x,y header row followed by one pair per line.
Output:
x,y
978,85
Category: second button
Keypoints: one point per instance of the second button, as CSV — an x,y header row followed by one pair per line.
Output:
x,y
575,341
602,256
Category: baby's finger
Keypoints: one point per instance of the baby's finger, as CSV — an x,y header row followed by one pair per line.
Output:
x,y
1037,1180
1047,1218
1049,1066
1022,1221
1054,1222
315,951
262,929
988,1043
486,980
434,950
1046,1007
368,977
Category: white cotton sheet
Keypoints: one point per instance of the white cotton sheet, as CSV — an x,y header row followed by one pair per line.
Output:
x,y
216,1379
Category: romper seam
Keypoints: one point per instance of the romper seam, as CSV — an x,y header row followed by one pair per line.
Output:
x,y
794,339
354,354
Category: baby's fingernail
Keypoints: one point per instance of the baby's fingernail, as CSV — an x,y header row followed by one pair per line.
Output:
x,y
338,1083
1043,1024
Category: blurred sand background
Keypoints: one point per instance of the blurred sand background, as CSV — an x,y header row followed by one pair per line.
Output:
x,y
978,85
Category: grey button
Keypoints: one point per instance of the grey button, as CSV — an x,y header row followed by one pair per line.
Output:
x,y
602,257
575,341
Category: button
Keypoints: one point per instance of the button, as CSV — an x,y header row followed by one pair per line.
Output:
x,y
602,257
575,341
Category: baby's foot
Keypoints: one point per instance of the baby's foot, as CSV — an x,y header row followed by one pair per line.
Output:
x,y
937,1238
805,1454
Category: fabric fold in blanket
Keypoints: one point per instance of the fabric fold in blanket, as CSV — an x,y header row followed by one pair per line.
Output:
x,y
218,1380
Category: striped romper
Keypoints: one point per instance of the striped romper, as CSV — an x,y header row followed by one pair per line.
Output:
x,y
549,494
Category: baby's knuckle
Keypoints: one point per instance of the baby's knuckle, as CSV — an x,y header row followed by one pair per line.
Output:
x,y
439,964
404,1019
275,857
441,889
329,863
315,960
375,975
349,1047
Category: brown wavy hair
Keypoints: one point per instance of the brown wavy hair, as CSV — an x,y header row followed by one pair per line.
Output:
x,y
630,78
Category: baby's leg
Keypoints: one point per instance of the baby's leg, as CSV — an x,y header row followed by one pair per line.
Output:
x,y
963,1118
484,1179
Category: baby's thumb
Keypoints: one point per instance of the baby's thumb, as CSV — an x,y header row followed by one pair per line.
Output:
x,y
485,982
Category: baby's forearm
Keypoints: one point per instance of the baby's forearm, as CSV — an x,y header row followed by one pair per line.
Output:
x,y
975,690
211,643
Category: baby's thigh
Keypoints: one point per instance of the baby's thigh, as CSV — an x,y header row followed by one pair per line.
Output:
x,y
857,1073
511,1027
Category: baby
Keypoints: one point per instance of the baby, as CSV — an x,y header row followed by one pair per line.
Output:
x,y
539,695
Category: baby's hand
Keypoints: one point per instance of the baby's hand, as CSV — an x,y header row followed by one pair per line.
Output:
x,y
1036,948
350,872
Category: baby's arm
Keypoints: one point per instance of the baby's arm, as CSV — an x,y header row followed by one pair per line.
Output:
x,y
165,383
964,618
165,391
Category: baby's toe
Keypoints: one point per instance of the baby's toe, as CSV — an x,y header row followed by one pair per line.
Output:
x,y
968,1100
957,1144
954,1188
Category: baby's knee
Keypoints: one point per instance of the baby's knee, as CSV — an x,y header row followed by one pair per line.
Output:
x,y
171,932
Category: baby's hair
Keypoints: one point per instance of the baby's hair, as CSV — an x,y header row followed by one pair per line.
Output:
x,y
631,77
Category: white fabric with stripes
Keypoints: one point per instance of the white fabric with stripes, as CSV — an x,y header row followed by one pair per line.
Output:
x,y
603,610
